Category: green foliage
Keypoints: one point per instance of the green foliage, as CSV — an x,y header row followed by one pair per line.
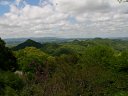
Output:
x,y
27,43
95,67
7,60
98,55
122,93
10,79
50,47
32,90
10,92
63,50
10,84
30,55
120,63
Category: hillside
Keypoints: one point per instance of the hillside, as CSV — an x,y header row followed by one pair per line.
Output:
x,y
93,67
27,43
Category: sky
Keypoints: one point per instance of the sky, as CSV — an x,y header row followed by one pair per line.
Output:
x,y
63,18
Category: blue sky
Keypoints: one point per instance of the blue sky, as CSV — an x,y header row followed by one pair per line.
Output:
x,y
33,2
63,18
5,7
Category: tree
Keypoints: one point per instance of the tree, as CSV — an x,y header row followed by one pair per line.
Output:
x,y
29,56
63,50
7,60
98,55
121,63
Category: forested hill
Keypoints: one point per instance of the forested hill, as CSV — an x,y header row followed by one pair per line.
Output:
x,y
27,43
93,67
119,44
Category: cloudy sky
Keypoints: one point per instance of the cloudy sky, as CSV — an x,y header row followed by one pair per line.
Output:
x,y
63,18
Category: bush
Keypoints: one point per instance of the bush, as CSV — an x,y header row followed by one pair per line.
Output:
x,y
11,80
30,56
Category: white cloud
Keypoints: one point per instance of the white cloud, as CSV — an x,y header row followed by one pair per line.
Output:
x,y
91,19
18,2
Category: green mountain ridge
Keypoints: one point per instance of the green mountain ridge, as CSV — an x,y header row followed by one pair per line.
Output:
x,y
28,43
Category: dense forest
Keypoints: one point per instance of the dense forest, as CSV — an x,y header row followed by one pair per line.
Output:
x,y
93,67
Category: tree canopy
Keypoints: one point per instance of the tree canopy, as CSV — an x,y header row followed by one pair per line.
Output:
x,y
7,59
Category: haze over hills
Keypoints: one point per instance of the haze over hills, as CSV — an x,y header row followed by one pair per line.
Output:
x,y
16,41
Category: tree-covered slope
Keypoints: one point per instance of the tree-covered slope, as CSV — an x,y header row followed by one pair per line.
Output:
x,y
27,43
93,67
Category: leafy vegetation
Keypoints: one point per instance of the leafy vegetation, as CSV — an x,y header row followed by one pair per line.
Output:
x,y
95,67
7,60
27,43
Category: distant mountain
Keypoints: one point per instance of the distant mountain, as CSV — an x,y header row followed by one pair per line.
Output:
x,y
27,43
16,41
